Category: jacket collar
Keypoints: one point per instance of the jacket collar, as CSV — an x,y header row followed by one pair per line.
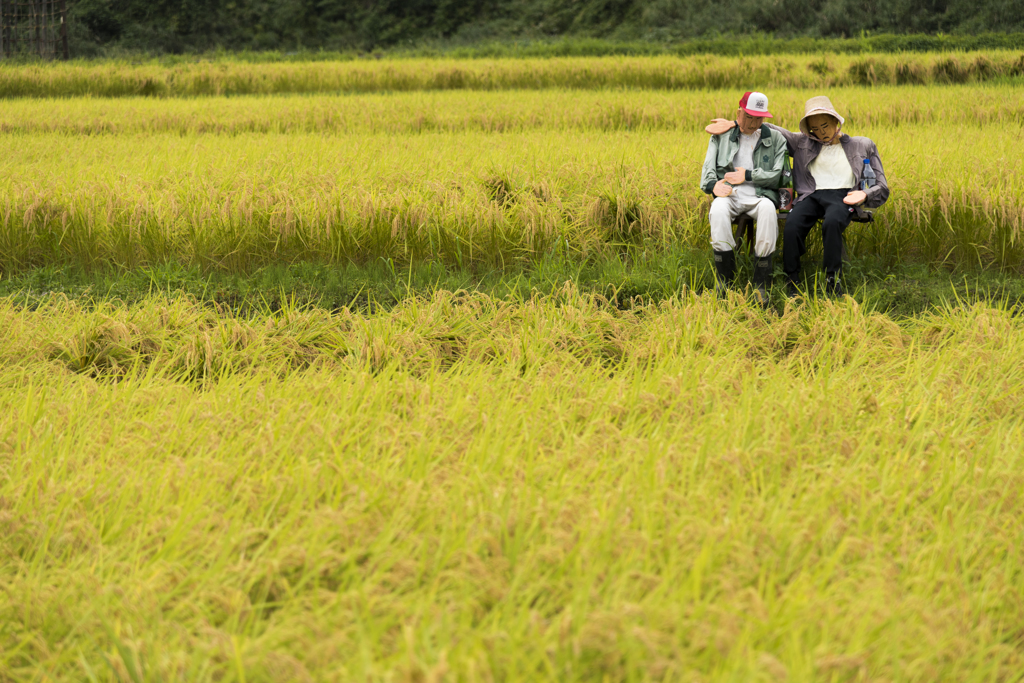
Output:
x,y
766,134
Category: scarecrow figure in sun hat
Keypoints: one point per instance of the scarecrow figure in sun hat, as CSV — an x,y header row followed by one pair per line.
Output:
x,y
743,169
835,176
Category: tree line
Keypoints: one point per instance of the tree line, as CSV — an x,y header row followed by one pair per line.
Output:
x,y
99,27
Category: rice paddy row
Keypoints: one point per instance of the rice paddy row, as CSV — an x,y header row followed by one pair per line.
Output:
x,y
499,112
466,199
226,77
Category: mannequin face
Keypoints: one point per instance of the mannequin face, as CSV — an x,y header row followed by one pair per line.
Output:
x,y
823,127
747,123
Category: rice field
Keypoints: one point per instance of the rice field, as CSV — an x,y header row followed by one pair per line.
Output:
x,y
227,77
467,487
485,179
475,489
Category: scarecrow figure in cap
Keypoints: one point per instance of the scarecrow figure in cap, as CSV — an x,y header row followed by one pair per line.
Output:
x,y
743,169
829,179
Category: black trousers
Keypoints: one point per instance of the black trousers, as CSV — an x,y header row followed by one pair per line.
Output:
x,y
820,204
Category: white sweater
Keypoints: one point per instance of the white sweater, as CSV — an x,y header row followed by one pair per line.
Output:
x,y
831,169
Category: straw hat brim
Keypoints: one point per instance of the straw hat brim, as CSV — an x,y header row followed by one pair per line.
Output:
x,y
815,111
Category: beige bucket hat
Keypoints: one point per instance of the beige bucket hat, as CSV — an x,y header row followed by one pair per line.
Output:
x,y
818,105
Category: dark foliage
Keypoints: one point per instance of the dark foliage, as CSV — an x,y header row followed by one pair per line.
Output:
x,y
175,26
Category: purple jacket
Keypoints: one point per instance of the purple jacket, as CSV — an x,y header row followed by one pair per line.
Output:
x,y
805,149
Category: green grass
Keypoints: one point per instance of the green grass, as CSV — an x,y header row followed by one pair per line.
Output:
x,y
626,280
599,47
464,488
731,46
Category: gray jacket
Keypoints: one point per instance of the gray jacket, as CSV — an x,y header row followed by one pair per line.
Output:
x,y
771,165
805,149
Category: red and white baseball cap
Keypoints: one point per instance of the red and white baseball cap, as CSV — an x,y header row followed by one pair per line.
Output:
x,y
755,104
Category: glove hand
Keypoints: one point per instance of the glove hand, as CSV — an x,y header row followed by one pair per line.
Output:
x,y
719,126
736,177
855,197
722,189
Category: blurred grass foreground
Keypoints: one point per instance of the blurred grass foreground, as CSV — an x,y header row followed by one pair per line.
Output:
x,y
473,489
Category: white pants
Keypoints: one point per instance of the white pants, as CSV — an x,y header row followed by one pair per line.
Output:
x,y
761,209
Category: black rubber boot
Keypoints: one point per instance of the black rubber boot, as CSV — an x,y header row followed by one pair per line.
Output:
x,y
762,279
834,286
725,269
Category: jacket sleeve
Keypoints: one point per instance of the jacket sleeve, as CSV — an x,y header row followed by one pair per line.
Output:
x,y
709,174
790,136
878,194
770,178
